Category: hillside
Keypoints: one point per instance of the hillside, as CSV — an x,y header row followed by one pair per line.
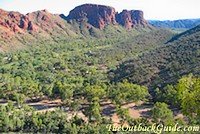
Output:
x,y
164,65
128,47
18,30
176,24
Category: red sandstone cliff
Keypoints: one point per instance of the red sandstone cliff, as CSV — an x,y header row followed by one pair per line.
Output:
x,y
97,15
130,19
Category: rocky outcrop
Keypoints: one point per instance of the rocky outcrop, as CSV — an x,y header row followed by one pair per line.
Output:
x,y
27,24
132,18
48,22
9,21
97,15
14,22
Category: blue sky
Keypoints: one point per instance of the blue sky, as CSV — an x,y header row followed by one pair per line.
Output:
x,y
153,9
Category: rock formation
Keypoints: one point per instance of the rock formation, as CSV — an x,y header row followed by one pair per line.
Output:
x,y
14,22
132,18
97,15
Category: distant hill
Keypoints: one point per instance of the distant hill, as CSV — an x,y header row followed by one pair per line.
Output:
x,y
176,24
164,65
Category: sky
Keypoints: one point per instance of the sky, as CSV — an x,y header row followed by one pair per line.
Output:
x,y
153,9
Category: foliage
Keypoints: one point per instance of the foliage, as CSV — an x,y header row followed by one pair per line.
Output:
x,y
162,114
127,92
188,89
184,96
168,95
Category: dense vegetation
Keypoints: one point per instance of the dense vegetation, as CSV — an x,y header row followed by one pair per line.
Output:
x,y
163,65
85,76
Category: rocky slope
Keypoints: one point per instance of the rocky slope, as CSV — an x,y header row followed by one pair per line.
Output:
x,y
17,30
39,21
14,22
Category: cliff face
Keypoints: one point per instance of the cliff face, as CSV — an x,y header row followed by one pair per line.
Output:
x,y
130,19
97,15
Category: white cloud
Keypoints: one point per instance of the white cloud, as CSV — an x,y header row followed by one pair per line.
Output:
x,y
153,9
